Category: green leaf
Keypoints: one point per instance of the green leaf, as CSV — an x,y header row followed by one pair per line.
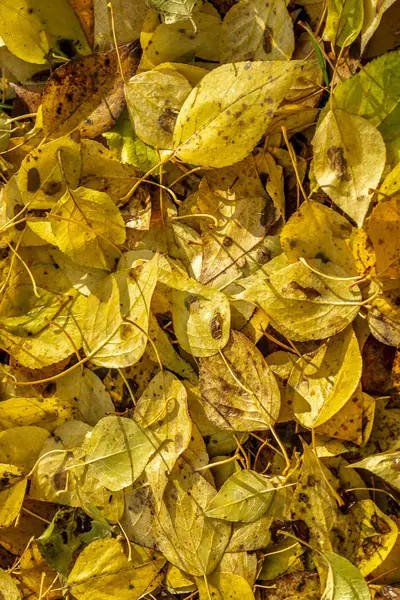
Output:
x,y
344,581
374,94
34,29
69,530
255,30
244,497
294,290
154,99
230,109
127,147
120,301
239,391
320,384
343,165
88,227
344,21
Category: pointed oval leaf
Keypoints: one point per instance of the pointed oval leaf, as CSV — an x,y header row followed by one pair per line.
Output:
x,y
87,226
118,450
344,581
301,304
344,165
121,300
239,392
257,30
154,99
320,385
226,113
244,497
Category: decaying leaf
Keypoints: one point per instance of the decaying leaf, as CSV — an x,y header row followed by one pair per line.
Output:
x,y
87,94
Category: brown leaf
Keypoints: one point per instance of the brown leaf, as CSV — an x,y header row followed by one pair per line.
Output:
x,y
85,12
87,93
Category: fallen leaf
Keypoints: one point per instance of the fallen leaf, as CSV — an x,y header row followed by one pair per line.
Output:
x,y
343,167
251,91
87,94
238,390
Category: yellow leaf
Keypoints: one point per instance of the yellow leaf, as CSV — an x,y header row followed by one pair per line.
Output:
x,y
12,494
321,384
293,291
34,29
102,570
383,228
238,390
185,535
179,42
226,113
88,227
118,450
255,30
46,172
317,231
120,301
20,446
8,586
48,413
344,165
162,408
224,586
154,99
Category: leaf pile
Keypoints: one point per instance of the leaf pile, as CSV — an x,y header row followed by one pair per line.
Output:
x,y
199,300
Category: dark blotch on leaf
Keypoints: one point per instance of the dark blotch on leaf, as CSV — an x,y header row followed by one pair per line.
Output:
x,y
309,292
267,39
216,327
33,184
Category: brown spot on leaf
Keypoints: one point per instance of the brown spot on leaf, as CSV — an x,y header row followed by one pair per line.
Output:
x,y
309,292
167,119
267,39
338,163
216,326
51,188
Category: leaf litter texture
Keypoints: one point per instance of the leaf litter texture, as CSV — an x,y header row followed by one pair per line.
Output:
x,y
199,301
